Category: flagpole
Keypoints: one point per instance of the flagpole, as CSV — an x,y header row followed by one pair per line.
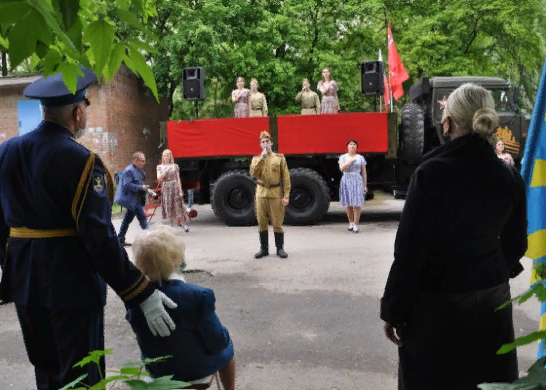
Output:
x,y
380,104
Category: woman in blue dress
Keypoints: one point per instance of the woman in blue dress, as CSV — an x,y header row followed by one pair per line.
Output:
x,y
352,189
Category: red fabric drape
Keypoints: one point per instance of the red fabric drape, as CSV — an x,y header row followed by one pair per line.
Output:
x,y
397,72
216,137
330,133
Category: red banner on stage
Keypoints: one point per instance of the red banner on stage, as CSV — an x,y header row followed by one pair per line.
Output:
x,y
308,134
216,137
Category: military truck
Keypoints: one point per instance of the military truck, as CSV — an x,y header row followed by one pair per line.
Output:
x,y
421,129
214,154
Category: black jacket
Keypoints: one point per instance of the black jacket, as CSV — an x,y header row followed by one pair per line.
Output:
x,y
463,227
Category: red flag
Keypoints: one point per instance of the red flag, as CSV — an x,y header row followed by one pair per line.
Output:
x,y
397,73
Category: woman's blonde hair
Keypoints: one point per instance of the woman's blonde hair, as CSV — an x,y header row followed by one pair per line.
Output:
x,y
471,107
241,78
305,81
167,153
254,81
158,253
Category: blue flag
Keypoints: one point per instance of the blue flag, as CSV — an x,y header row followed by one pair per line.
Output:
x,y
534,176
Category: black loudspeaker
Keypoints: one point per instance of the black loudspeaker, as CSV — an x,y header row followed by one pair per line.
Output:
x,y
372,78
193,84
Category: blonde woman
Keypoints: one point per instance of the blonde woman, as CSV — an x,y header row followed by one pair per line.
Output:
x,y
328,88
172,198
258,103
200,346
461,236
240,97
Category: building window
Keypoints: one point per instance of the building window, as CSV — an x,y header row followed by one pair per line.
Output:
x,y
29,115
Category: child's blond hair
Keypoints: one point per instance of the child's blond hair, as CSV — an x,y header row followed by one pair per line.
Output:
x,y
158,253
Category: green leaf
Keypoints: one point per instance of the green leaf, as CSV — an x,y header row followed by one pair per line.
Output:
x,y
49,15
135,43
51,61
13,11
22,40
69,10
163,383
130,371
157,360
75,34
70,79
129,62
94,356
41,49
100,36
4,42
123,4
116,58
496,386
144,71
34,60
132,19
524,340
74,383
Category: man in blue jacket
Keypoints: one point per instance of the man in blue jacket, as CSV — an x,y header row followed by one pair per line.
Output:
x,y
131,194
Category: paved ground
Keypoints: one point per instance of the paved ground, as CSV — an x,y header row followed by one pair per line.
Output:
x,y
309,322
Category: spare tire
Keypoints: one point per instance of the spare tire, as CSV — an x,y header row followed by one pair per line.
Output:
x,y
232,198
413,134
309,197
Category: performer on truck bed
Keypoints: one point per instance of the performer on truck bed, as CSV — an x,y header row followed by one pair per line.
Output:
x,y
328,88
240,98
58,248
272,194
310,103
258,104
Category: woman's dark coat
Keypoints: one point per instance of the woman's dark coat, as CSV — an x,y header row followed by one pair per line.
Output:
x,y
461,236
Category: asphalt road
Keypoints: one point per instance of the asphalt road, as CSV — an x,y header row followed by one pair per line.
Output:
x,y
309,322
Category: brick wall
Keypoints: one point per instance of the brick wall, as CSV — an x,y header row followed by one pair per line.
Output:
x,y
8,111
123,118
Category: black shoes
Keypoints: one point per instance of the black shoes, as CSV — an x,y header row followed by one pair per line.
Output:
x,y
264,246
279,242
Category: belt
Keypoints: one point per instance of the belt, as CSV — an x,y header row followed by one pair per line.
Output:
x,y
271,186
23,232
309,108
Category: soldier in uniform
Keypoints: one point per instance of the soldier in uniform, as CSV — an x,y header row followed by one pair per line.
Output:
x,y
272,194
58,248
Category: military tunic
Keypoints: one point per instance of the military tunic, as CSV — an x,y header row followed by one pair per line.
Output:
x,y
273,185
310,103
258,104
59,249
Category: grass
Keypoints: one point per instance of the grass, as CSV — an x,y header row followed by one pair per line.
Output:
x,y
116,208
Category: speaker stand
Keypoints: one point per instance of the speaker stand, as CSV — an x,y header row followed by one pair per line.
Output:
x,y
196,112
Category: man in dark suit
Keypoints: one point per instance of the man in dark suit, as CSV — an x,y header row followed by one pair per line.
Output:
x,y
58,248
131,194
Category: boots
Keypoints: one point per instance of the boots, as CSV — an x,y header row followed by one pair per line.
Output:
x,y
264,245
279,242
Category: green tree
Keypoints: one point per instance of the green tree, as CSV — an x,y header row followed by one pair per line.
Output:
x,y
57,35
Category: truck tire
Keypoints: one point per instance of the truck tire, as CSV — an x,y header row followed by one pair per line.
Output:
x,y
413,134
232,198
309,197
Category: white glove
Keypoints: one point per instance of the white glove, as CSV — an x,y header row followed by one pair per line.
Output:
x,y
188,210
156,315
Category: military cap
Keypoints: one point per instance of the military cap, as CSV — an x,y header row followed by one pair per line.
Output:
x,y
52,91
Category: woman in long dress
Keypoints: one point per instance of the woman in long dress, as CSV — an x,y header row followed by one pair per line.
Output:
x,y
240,98
258,103
310,103
328,88
353,185
172,198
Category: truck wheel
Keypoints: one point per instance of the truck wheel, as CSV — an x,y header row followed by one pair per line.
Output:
x,y
309,197
413,134
232,198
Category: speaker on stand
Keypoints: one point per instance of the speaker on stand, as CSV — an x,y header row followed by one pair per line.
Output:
x,y
372,78
193,86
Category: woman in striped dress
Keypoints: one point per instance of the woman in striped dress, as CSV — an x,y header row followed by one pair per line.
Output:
x,y
352,189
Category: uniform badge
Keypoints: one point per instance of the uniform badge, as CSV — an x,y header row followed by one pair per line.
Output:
x,y
98,184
